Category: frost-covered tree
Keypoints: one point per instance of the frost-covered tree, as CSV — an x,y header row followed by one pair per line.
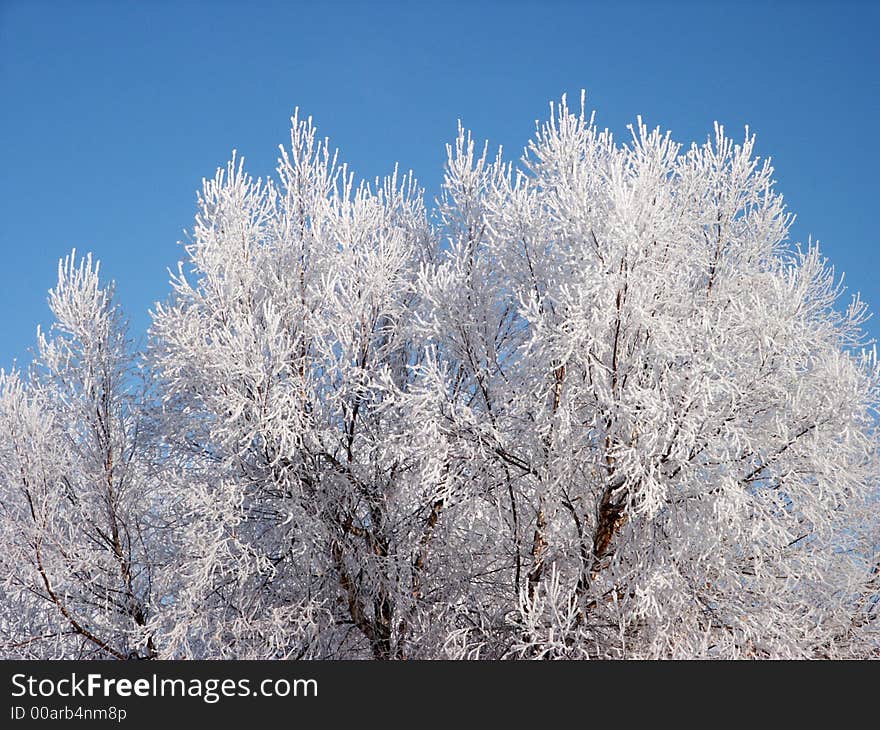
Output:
x,y
600,407
676,424
77,511
288,367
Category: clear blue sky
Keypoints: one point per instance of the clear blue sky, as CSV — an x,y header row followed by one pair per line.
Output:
x,y
112,112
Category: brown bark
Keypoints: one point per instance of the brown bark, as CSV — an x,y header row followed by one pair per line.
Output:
x,y
539,548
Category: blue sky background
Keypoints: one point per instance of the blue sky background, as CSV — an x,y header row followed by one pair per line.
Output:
x,y
112,112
